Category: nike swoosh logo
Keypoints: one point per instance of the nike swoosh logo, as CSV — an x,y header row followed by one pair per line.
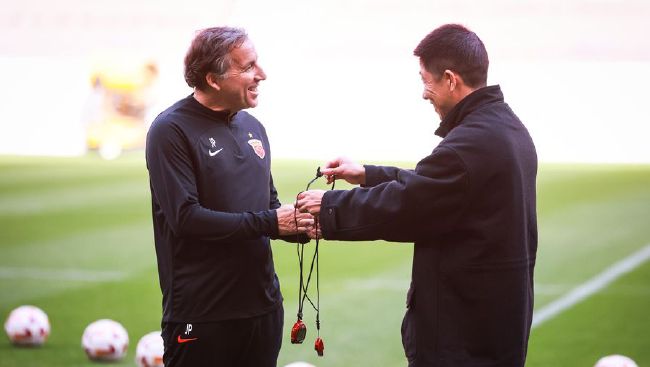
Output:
x,y
212,154
181,340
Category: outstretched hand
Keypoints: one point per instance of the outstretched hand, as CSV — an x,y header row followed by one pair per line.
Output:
x,y
346,169
287,218
310,201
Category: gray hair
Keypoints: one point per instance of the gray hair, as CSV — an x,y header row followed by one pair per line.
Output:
x,y
210,53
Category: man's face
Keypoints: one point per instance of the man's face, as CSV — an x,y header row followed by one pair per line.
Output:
x,y
239,86
436,91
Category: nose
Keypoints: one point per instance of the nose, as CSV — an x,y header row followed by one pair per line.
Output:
x,y
260,75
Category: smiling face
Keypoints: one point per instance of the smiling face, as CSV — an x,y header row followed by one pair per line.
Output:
x,y
438,91
238,87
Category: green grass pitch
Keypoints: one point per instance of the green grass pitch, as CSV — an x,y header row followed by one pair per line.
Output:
x,y
76,241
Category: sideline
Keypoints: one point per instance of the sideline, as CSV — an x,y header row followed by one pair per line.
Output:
x,y
592,286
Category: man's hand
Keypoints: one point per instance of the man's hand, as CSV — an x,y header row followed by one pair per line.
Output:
x,y
315,233
345,168
287,221
309,202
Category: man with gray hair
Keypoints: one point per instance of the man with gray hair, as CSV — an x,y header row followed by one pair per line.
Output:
x,y
214,209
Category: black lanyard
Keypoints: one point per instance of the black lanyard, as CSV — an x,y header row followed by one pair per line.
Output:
x,y
299,330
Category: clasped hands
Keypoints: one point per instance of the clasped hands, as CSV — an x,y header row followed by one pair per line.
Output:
x,y
293,220
308,203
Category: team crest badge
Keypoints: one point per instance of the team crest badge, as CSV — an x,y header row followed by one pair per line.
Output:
x,y
258,148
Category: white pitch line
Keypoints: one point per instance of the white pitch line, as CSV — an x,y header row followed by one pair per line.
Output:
x,y
78,275
592,286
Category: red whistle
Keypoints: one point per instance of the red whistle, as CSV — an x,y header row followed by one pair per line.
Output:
x,y
319,346
298,332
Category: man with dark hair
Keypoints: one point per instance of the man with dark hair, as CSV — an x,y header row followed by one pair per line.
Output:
x,y
469,206
214,209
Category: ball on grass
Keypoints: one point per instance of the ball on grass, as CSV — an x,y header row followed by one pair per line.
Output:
x,y
299,364
27,326
615,361
150,350
105,340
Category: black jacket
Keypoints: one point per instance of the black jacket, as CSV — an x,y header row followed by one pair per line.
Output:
x,y
212,199
470,208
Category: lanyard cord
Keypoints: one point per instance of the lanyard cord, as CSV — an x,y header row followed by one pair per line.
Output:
x,y
317,281
300,249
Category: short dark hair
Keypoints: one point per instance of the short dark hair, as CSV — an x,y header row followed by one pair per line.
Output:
x,y
456,48
209,53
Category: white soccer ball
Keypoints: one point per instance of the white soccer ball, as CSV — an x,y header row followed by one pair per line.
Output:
x,y
27,326
300,364
150,349
105,340
615,361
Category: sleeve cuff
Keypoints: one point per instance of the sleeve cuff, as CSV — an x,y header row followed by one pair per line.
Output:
x,y
327,217
371,175
264,223
273,219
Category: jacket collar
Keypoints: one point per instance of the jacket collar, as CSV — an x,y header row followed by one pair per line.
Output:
x,y
467,105
225,116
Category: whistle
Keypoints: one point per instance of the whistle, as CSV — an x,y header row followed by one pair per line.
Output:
x,y
298,332
319,347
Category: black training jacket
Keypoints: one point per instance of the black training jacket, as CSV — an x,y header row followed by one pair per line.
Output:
x,y
212,198
470,208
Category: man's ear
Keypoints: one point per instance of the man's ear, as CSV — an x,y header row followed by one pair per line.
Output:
x,y
451,79
213,80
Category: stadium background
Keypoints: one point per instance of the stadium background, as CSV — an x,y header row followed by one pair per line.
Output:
x,y
75,230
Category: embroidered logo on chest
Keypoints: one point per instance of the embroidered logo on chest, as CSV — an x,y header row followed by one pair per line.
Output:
x,y
213,143
258,148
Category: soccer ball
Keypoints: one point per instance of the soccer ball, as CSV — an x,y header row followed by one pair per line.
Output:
x,y
300,364
27,326
615,361
105,340
150,349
